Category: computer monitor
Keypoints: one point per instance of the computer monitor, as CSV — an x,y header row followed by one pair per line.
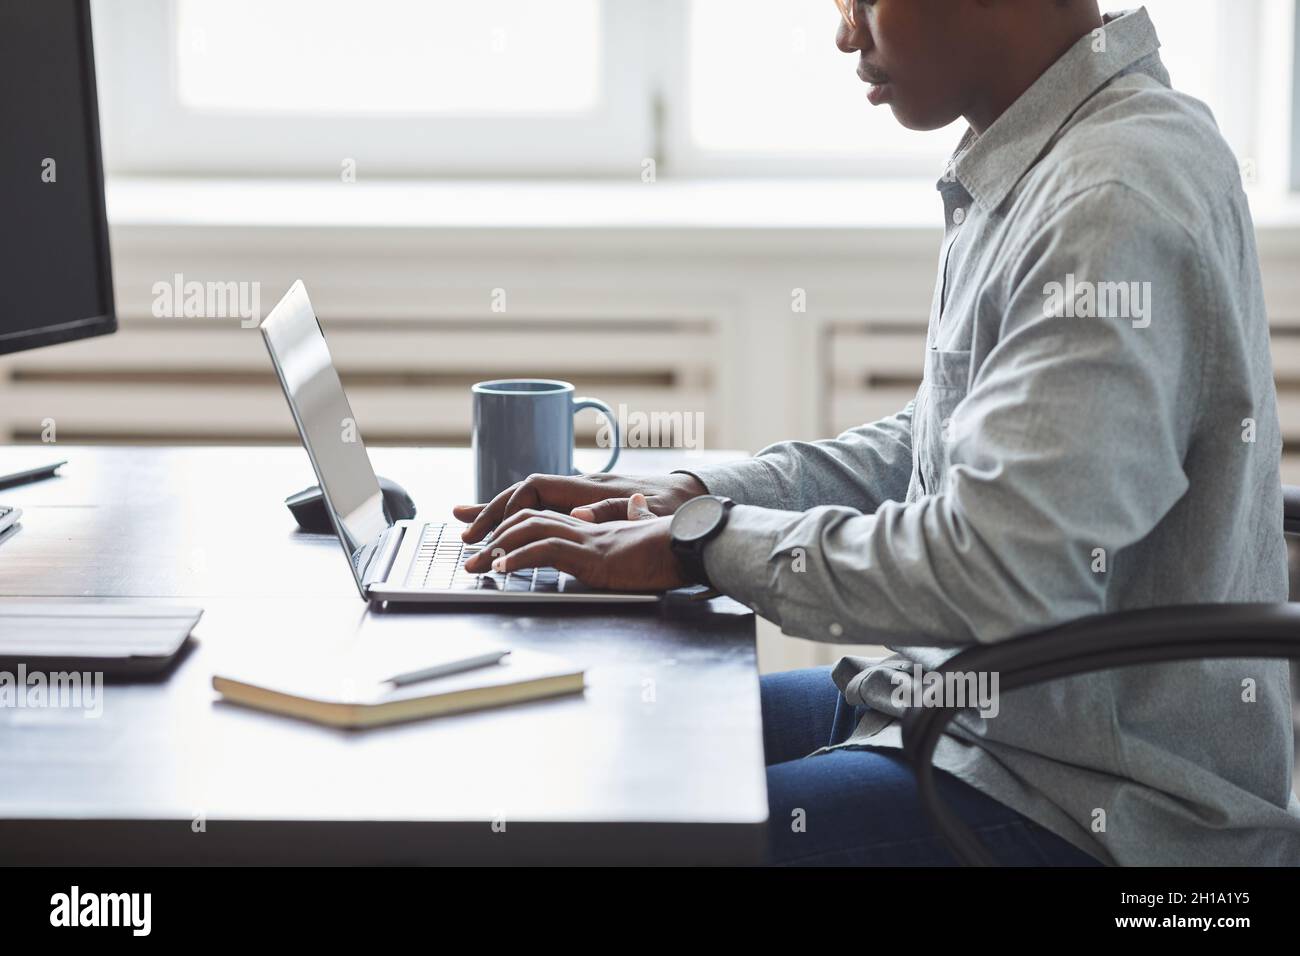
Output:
x,y
55,279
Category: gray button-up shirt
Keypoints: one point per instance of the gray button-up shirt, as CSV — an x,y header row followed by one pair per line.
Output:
x,y
1096,431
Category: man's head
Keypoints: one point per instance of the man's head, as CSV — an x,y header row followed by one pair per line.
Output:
x,y
935,60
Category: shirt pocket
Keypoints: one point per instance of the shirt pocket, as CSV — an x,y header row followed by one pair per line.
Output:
x,y
943,386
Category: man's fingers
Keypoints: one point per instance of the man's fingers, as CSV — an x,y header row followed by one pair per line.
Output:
x,y
541,491
533,492
611,509
487,517
548,553
638,509
532,528
520,533
531,513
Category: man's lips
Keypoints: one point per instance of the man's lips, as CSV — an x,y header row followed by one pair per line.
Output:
x,y
870,74
881,90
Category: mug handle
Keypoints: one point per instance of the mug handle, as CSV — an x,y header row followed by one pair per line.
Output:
x,y
581,403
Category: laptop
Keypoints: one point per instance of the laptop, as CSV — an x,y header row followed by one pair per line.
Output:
x,y
405,561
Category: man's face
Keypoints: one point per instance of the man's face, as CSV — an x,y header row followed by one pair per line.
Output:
x,y
917,55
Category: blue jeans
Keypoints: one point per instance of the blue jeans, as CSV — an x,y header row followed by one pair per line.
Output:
x,y
860,807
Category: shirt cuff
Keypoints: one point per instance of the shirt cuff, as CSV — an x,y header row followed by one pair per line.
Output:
x,y
739,560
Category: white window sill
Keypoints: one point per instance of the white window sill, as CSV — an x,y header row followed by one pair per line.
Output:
x,y
557,204
551,204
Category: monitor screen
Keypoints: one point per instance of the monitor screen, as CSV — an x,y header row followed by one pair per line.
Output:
x,y
55,282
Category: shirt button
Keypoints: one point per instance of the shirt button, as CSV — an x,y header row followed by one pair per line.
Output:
x,y
958,216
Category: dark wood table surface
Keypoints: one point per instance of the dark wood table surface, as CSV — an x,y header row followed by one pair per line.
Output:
x,y
659,760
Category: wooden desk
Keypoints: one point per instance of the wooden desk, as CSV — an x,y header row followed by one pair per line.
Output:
x,y
660,760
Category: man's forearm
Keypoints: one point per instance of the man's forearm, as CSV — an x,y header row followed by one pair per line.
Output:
x,y
861,469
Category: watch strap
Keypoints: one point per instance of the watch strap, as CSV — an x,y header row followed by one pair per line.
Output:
x,y
692,564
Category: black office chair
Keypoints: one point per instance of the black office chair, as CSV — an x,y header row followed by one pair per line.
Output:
x,y
1149,636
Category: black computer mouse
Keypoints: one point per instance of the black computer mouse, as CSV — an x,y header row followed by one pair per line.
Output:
x,y
308,507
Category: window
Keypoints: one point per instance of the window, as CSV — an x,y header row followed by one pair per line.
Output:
x,y
399,87
763,89
578,87
1208,47
767,91
1295,102
449,57
1237,56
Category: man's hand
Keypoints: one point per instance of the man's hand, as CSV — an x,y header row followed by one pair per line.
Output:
x,y
592,498
629,555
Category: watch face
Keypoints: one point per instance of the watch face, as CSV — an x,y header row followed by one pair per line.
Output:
x,y
697,518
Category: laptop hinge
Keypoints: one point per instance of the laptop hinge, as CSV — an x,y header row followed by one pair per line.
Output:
x,y
382,555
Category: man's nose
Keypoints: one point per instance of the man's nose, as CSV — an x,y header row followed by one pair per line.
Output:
x,y
850,39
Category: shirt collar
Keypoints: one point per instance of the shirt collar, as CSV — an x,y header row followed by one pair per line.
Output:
x,y
990,166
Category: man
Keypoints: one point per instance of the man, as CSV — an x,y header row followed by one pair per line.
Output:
x,y
1096,431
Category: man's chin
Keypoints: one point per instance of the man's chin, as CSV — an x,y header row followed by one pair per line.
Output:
x,y
918,121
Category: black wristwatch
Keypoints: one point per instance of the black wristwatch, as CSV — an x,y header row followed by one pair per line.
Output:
x,y
695,524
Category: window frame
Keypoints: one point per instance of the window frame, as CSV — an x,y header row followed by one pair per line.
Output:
x,y
643,114
151,134
1294,35
684,158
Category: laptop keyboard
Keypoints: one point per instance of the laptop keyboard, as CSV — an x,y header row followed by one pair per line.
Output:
x,y
439,566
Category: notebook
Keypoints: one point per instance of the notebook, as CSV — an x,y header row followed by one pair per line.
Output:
x,y
116,639
345,692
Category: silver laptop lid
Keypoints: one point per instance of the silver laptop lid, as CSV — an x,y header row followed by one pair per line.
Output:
x,y
328,428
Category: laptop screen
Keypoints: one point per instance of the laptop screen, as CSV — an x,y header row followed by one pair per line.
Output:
x,y
325,421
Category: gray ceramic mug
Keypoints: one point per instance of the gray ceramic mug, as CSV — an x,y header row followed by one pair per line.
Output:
x,y
524,426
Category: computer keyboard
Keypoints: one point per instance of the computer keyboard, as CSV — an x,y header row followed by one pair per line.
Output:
x,y
8,517
439,566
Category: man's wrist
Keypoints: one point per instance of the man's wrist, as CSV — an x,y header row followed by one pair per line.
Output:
x,y
690,485
695,524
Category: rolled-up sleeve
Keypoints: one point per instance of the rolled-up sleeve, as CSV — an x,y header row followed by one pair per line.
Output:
x,y
1068,444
